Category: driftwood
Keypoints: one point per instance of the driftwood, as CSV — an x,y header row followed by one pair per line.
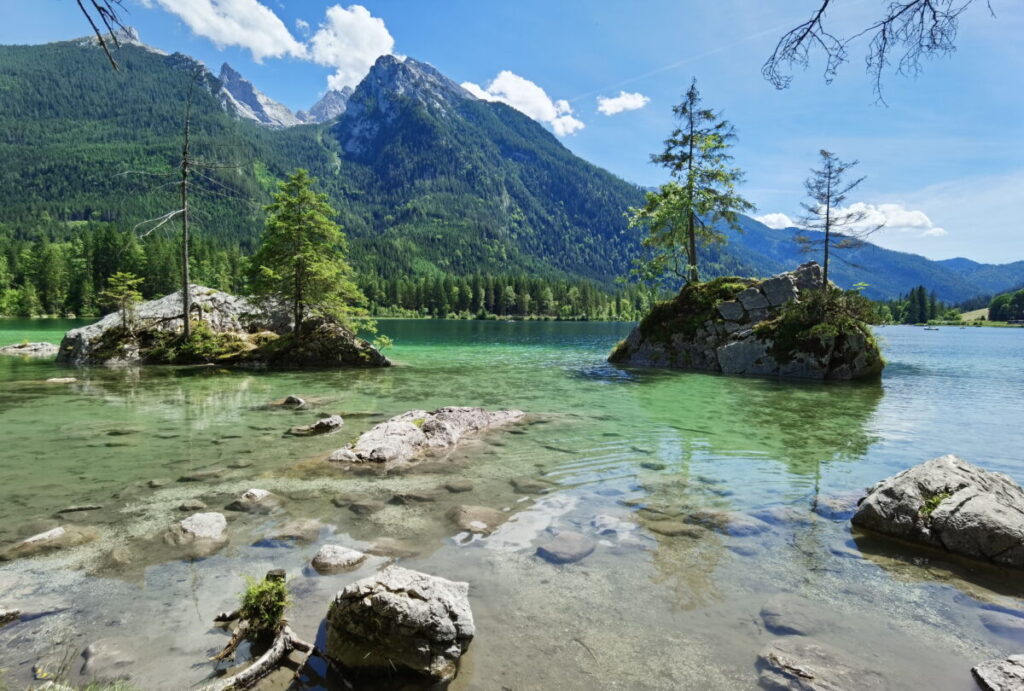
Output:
x,y
285,642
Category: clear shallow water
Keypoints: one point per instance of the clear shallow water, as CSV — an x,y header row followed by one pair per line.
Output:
x,y
644,611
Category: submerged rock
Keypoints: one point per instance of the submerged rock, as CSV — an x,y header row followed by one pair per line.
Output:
x,y
952,505
726,325
106,662
401,620
297,530
458,486
256,501
335,558
476,519
530,485
8,615
800,664
53,539
409,436
324,425
201,533
41,349
791,615
293,402
61,380
1001,675
566,547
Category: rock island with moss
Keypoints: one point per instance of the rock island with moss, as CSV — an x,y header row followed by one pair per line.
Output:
x,y
784,326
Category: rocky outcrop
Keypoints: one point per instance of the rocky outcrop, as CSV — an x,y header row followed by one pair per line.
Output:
x,y
726,325
401,620
1001,675
41,349
228,330
952,505
410,436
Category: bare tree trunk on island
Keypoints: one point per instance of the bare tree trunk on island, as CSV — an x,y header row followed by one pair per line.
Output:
x,y
186,293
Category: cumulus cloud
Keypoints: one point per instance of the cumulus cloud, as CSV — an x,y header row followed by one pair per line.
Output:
x,y
895,218
776,221
529,98
350,40
245,23
302,25
612,105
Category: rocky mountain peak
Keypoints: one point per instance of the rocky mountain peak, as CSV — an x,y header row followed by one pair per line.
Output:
x,y
238,95
331,105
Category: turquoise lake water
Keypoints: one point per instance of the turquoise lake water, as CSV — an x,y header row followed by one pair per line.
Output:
x,y
644,611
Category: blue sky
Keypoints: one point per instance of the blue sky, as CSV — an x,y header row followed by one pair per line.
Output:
x,y
944,161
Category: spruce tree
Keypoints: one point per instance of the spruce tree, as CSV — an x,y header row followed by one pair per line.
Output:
x,y
301,260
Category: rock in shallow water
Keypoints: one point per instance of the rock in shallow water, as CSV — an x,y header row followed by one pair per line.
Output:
x,y
566,547
409,436
53,539
201,533
791,615
324,425
950,504
1001,675
256,501
401,620
335,558
41,349
799,664
476,519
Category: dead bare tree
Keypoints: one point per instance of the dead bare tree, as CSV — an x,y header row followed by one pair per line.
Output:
x,y
107,13
841,228
186,292
912,29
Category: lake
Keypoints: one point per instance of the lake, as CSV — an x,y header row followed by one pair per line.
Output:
x,y
629,447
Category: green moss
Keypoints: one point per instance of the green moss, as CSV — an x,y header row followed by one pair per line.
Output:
x,y
419,421
932,503
205,346
263,605
686,313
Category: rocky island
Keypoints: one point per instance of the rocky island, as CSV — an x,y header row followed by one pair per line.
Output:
x,y
227,330
743,326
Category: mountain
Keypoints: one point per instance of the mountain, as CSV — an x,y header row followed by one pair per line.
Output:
x,y
428,179
331,105
240,96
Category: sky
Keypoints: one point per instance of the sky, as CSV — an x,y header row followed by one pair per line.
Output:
x,y
943,160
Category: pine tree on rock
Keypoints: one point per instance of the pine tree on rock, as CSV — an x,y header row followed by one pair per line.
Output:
x,y
682,214
302,258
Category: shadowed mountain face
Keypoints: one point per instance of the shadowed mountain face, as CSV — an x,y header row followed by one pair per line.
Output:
x,y
426,177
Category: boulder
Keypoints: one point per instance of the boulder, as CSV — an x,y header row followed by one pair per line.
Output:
x,y
293,402
201,534
30,349
530,485
324,425
566,547
192,505
798,664
324,345
255,501
48,541
297,530
950,504
670,528
409,436
728,325
335,558
414,497
458,486
476,519
401,620
1001,675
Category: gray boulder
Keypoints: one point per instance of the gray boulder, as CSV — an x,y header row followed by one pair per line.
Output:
x,y
566,547
476,519
1001,675
41,349
335,558
256,501
409,436
952,505
201,534
798,664
106,661
324,425
401,620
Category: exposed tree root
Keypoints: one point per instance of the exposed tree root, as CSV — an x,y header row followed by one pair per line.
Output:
x,y
284,643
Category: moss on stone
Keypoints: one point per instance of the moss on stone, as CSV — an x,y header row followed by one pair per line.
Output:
x,y
695,304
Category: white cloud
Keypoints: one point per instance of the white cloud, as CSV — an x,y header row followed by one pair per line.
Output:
x,y
895,218
350,40
776,221
612,105
244,23
302,25
529,98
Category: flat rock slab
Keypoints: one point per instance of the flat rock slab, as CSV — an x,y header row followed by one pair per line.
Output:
x,y
800,664
950,504
792,615
410,436
40,349
476,519
335,558
458,486
60,537
1001,675
401,620
670,528
729,522
107,662
530,485
297,530
566,547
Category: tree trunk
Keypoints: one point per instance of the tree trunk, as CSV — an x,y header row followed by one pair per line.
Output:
x,y
828,228
186,292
